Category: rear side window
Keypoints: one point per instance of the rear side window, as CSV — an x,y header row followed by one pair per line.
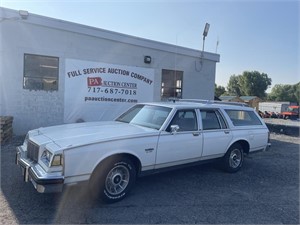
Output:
x,y
212,120
243,118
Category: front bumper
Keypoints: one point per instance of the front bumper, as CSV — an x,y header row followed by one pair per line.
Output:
x,y
43,182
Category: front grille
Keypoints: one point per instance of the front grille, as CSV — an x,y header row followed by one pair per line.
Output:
x,y
32,151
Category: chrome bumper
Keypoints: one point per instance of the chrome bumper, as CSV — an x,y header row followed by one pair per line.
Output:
x,y
43,182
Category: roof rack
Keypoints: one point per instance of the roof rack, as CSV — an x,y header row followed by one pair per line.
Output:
x,y
209,102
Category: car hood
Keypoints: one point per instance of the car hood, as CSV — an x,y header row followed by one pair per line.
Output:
x,y
72,135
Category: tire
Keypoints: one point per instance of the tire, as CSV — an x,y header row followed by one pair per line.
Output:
x,y
113,180
233,159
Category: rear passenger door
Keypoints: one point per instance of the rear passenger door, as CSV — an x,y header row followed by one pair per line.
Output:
x,y
216,135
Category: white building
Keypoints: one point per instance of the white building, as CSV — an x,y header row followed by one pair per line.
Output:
x,y
54,72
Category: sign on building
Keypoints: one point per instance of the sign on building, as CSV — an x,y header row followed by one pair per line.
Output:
x,y
100,91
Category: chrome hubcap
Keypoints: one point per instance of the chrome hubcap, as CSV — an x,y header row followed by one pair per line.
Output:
x,y
117,180
235,158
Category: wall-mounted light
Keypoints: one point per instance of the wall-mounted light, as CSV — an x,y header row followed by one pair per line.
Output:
x,y
24,14
147,59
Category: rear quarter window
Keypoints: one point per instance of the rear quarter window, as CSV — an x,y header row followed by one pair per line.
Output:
x,y
243,118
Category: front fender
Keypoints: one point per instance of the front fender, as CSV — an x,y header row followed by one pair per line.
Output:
x,y
81,161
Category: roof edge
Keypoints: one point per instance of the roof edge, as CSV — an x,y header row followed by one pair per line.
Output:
x,y
11,14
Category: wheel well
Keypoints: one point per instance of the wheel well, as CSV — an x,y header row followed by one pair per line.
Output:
x,y
133,159
245,145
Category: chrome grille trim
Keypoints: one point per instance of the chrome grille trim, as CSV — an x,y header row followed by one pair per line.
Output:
x,y
32,151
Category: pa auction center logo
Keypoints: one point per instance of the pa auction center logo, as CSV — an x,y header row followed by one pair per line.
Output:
x,y
98,81
94,81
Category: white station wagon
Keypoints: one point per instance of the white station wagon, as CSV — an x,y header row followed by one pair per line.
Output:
x,y
146,139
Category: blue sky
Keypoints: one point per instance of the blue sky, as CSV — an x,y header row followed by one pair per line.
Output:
x,y
253,35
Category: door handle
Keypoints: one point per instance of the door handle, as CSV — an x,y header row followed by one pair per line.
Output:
x,y
226,132
196,133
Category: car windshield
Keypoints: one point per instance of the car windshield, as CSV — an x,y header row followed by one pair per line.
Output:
x,y
146,116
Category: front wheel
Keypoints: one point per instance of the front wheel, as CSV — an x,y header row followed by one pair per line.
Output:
x,y
233,159
113,180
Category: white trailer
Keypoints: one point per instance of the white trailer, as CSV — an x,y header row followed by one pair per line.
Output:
x,y
277,107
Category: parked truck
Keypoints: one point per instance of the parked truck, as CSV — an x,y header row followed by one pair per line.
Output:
x,y
292,112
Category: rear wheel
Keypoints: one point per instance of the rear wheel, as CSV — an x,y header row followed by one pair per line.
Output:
x,y
112,181
233,159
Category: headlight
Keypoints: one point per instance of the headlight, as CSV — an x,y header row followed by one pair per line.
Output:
x,y
52,160
57,160
46,157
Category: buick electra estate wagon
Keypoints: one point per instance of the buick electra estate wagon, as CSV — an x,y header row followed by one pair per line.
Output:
x,y
146,139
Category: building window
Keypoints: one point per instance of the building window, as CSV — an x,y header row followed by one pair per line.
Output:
x,y
40,72
171,84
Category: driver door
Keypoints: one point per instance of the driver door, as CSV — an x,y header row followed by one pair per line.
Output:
x,y
183,146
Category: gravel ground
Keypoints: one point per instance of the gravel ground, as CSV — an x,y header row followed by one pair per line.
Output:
x,y
264,191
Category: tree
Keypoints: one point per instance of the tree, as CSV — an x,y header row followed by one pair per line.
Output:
x,y
249,83
297,92
233,86
255,83
219,90
285,92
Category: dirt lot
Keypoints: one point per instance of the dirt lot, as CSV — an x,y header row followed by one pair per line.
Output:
x,y
265,191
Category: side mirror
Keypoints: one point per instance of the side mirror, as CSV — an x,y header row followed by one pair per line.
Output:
x,y
174,129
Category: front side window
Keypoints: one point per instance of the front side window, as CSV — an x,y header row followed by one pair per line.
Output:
x,y
40,72
243,118
185,119
171,84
